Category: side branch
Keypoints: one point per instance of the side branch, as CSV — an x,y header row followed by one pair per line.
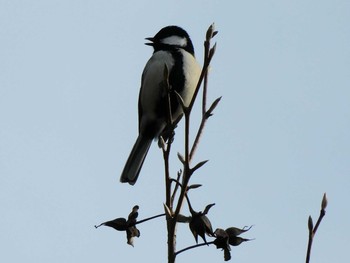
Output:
x,y
194,246
312,229
149,218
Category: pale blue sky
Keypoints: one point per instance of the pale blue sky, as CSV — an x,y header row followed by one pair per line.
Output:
x,y
69,81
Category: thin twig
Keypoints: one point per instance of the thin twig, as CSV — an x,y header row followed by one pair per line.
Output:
x,y
198,136
194,246
205,88
176,187
149,218
322,214
313,229
166,151
207,60
204,109
186,173
166,154
309,245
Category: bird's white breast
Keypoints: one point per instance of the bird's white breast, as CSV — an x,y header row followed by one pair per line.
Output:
x,y
152,78
192,71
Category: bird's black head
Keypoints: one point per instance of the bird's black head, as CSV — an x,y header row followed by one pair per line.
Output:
x,y
170,38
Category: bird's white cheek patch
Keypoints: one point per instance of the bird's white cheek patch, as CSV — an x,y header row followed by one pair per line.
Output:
x,y
175,40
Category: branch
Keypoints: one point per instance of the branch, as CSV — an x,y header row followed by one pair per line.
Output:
x,y
208,55
186,159
149,218
194,246
312,229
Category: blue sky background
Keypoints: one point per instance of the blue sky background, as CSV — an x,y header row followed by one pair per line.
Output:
x,y
69,81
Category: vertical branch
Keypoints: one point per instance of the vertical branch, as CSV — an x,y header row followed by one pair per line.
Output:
x,y
166,147
309,245
208,55
204,116
166,154
207,58
171,226
204,100
176,187
312,229
172,215
186,174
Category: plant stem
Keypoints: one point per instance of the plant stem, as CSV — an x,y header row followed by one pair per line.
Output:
x,y
312,233
171,226
166,154
194,246
322,214
186,172
149,218
172,219
205,88
199,134
309,245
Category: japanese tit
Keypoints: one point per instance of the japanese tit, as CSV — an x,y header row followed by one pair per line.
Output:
x,y
173,48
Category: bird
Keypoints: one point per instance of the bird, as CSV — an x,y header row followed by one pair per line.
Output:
x,y
172,49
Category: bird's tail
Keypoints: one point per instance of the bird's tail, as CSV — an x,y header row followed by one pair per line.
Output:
x,y
135,161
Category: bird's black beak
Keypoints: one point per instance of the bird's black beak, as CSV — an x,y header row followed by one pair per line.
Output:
x,y
150,39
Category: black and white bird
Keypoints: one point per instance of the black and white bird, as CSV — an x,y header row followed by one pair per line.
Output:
x,y
173,48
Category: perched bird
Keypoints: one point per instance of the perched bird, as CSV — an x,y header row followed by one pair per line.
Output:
x,y
173,48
